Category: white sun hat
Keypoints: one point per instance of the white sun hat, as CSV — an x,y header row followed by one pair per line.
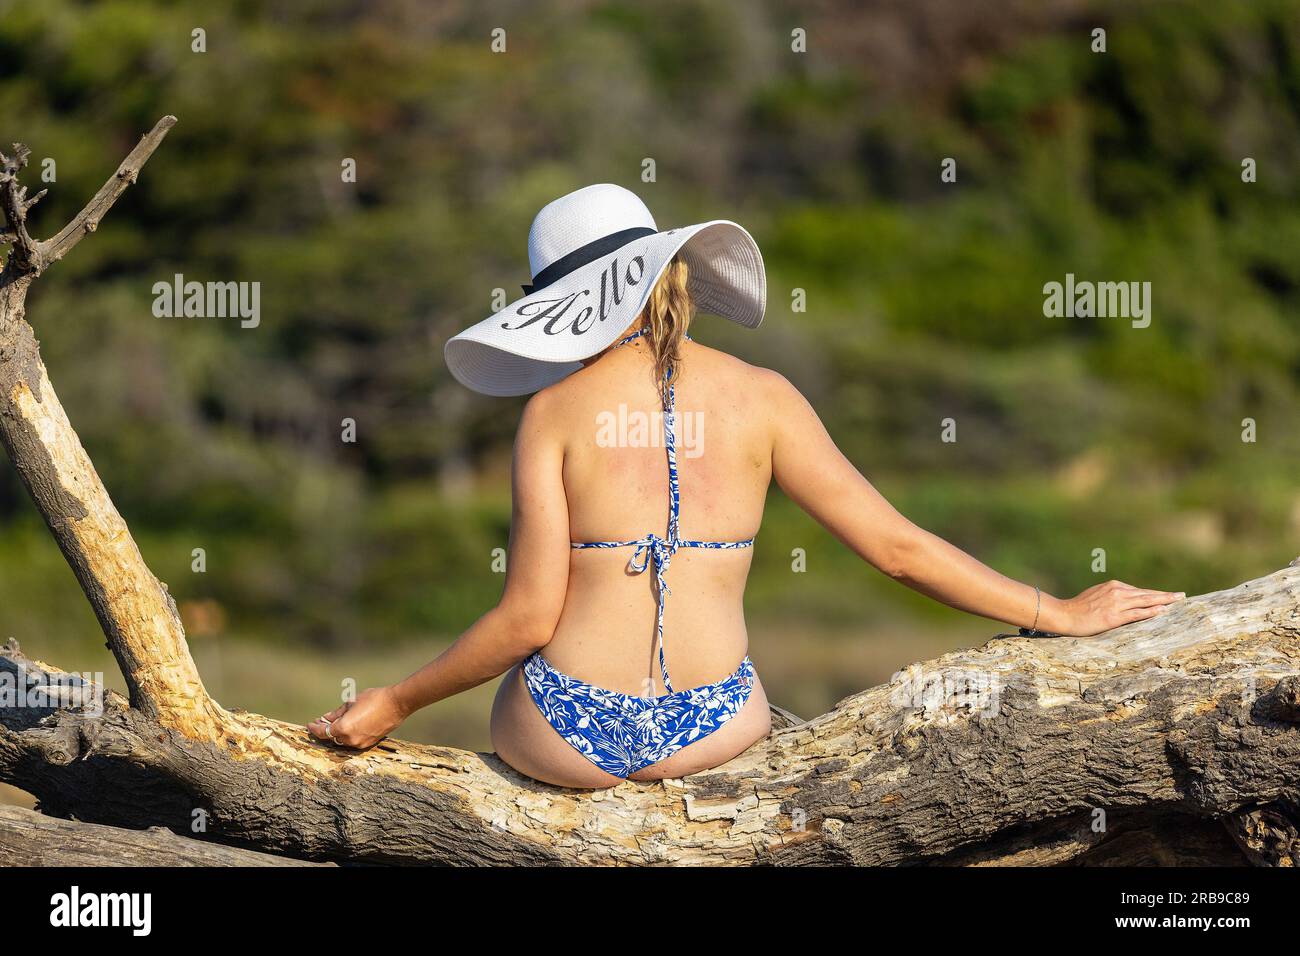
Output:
x,y
595,256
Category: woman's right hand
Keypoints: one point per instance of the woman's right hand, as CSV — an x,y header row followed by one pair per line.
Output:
x,y
361,723
1112,604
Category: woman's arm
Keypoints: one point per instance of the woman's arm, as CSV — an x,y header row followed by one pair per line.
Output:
x,y
537,574
815,474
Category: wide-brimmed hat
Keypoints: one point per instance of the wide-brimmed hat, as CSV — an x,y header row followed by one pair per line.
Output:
x,y
595,256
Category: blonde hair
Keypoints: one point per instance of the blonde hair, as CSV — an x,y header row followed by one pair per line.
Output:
x,y
667,316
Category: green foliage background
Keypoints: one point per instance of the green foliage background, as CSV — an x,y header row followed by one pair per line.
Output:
x,y
924,298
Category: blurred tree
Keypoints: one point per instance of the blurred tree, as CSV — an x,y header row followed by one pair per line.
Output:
x,y
925,298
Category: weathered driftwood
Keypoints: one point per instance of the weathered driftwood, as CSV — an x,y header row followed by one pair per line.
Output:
x,y
1135,746
136,612
33,839
1009,753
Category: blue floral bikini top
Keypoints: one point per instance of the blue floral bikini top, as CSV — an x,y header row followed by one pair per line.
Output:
x,y
652,549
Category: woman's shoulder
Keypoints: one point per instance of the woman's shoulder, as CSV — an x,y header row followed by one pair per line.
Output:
x,y
763,383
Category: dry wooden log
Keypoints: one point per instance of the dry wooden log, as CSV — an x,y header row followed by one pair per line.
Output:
x,y
1021,751
28,838
1042,751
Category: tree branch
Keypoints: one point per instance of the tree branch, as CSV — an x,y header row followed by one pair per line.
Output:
x,y
31,257
89,218
137,614
26,252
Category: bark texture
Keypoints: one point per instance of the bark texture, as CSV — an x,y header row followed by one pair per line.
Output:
x,y
1170,740
33,839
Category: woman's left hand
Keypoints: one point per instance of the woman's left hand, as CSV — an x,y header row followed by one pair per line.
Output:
x,y
361,723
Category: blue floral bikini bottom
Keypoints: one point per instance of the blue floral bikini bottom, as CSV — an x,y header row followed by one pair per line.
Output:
x,y
623,733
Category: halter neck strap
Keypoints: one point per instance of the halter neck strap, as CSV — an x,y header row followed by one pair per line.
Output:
x,y
644,331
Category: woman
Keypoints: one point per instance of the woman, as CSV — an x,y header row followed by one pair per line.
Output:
x,y
584,630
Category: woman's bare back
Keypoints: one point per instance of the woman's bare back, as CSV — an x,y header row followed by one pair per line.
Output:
x,y
615,478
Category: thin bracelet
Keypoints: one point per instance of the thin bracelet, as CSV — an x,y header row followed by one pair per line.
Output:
x,y
1038,607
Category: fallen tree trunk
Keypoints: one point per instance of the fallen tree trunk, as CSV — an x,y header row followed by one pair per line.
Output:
x,y
1021,751
33,839
1134,746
